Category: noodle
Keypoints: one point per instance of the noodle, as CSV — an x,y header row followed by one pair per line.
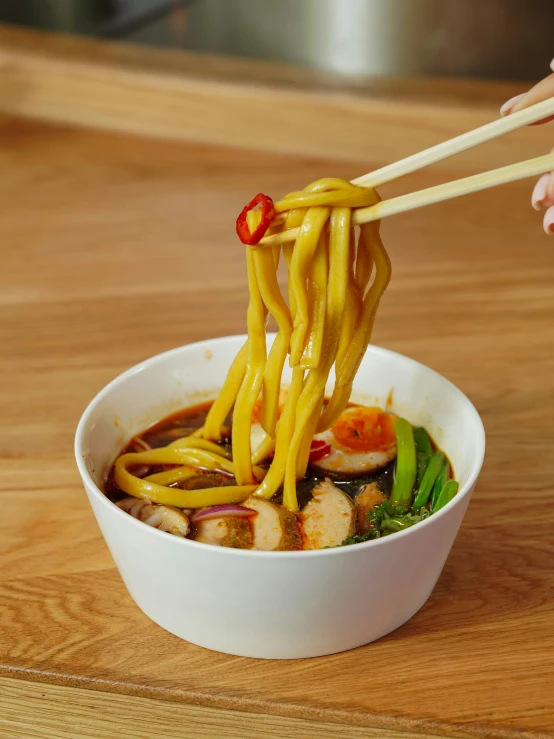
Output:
x,y
253,378
334,289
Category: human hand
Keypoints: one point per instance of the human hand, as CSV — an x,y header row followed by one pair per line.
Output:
x,y
543,194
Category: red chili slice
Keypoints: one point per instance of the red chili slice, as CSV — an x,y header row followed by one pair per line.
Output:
x,y
268,214
319,449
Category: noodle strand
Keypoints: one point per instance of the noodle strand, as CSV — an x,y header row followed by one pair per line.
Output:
x,y
334,290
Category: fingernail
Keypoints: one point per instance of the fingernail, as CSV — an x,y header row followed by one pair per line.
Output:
x,y
552,65
509,104
548,222
539,193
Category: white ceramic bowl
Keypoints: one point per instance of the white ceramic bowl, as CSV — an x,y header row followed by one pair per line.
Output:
x,y
276,604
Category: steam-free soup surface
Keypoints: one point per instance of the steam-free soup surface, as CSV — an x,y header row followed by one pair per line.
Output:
x,y
340,501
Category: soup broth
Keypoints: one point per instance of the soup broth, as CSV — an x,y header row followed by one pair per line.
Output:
x,y
359,498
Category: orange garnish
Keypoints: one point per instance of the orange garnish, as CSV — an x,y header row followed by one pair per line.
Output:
x,y
365,429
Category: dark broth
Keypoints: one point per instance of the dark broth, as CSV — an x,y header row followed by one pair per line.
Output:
x,y
186,421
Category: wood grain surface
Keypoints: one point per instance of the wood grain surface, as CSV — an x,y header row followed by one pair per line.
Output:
x,y
114,248
75,713
254,105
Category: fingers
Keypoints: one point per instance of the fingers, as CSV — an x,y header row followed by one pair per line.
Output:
x,y
506,109
543,90
543,197
543,194
548,221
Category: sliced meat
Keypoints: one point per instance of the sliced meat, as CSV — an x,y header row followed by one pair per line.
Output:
x,y
275,528
329,518
163,517
227,531
367,499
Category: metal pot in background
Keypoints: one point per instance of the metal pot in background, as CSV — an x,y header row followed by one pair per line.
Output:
x,y
93,17
473,38
71,16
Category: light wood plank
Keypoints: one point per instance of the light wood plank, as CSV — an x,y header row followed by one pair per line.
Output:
x,y
114,248
74,713
253,105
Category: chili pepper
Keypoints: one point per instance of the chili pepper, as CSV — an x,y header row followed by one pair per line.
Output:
x,y
319,449
267,212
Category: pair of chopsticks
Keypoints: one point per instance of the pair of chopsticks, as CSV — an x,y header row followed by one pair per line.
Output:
x,y
438,193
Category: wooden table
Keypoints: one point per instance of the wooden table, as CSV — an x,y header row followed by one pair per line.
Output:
x,y
114,248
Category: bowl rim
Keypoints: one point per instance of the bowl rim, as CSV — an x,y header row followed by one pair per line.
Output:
x,y
91,485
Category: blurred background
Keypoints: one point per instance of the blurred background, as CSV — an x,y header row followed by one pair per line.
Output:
x,y
498,39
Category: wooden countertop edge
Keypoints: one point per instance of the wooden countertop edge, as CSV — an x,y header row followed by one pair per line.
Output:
x,y
234,102
396,727
231,69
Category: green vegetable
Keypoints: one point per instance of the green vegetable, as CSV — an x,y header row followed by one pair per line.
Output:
x,y
424,452
448,491
440,482
371,534
406,464
385,510
392,525
422,440
386,519
431,473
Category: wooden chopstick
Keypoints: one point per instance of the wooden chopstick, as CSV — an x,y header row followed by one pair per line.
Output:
x,y
449,148
436,194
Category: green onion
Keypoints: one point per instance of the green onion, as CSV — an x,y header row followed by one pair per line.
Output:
x,y
406,465
431,473
422,440
424,452
449,490
440,482
392,525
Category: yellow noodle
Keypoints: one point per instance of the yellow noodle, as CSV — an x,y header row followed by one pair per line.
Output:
x,y
328,321
140,488
190,442
263,450
306,443
317,296
304,248
337,403
276,256
364,267
253,378
169,477
371,240
352,308
285,429
227,396
311,398
264,262
349,198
